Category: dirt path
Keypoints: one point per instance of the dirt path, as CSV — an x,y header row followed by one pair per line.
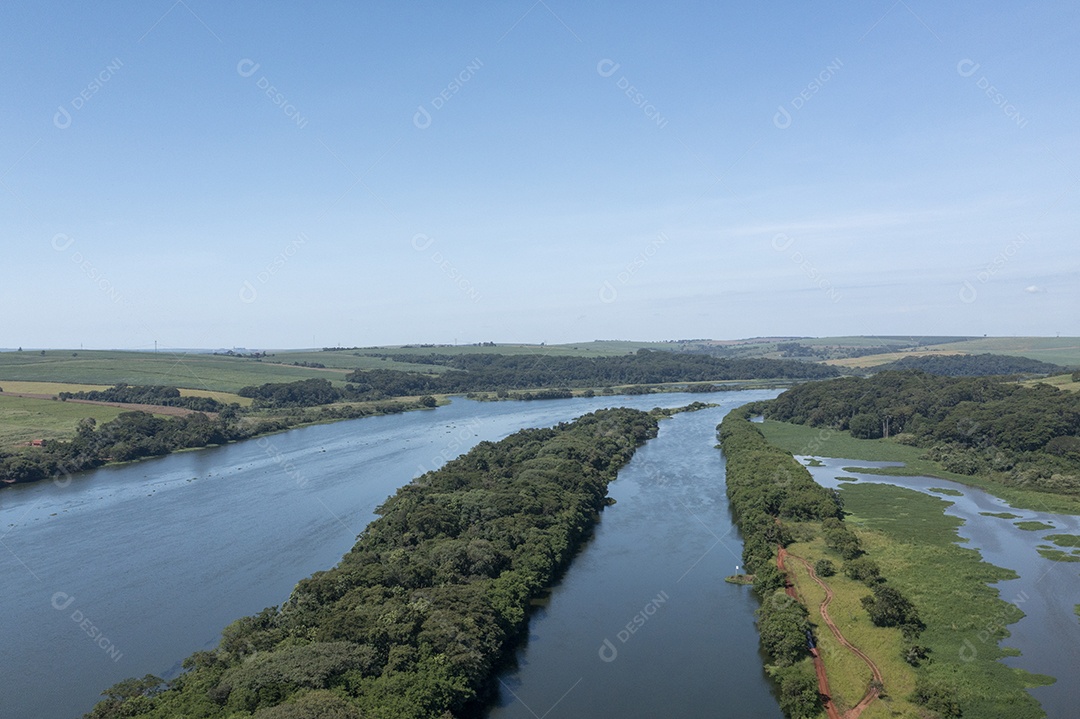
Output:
x,y
872,691
819,663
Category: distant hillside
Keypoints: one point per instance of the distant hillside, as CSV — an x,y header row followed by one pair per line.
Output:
x,y
960,365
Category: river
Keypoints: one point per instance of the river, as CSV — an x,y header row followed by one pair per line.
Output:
x,y
127,570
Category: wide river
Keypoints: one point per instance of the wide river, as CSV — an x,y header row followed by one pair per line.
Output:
x,y
127,570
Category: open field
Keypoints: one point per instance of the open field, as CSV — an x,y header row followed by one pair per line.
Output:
x,y
887,357
1064,351
803,440
848,674
186,371
915,543
23,420
1061,381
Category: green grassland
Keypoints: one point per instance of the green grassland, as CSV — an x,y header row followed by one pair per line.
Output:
x,y
23,419
915,543
214,373
849,675
804,440
1061,381
204,372
1063,351
1000,515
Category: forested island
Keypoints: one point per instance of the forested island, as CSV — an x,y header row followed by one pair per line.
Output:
x,y
434,595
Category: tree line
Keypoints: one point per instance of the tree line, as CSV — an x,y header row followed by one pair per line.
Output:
x,y
147,394
414,621
542,377
972,365
493,372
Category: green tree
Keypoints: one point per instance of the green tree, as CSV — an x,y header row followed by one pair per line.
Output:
x,y
824,568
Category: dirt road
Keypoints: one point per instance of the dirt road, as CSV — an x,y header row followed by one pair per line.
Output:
x,y
872,691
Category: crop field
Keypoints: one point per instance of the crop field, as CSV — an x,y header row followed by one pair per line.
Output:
x,y
1064,351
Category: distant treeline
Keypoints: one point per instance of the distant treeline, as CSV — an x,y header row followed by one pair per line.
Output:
x,y
771,495
414,621
134,435
972,365
492,372
1027,436
147,394
301,393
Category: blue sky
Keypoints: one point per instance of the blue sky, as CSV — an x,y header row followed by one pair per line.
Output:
x,y
274,175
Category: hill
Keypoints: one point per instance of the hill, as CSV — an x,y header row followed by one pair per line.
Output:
x,y
964,365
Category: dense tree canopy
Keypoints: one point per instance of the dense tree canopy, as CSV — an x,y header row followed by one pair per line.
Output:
x,y
1027,434
961,365
147,394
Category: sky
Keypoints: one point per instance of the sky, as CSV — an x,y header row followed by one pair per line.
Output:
x,y
275,175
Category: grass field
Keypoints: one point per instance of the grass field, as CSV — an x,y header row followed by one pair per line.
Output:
x,y
915,543
203,372
1061,381
849,675
803,440
885,358
23,420
1064,351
